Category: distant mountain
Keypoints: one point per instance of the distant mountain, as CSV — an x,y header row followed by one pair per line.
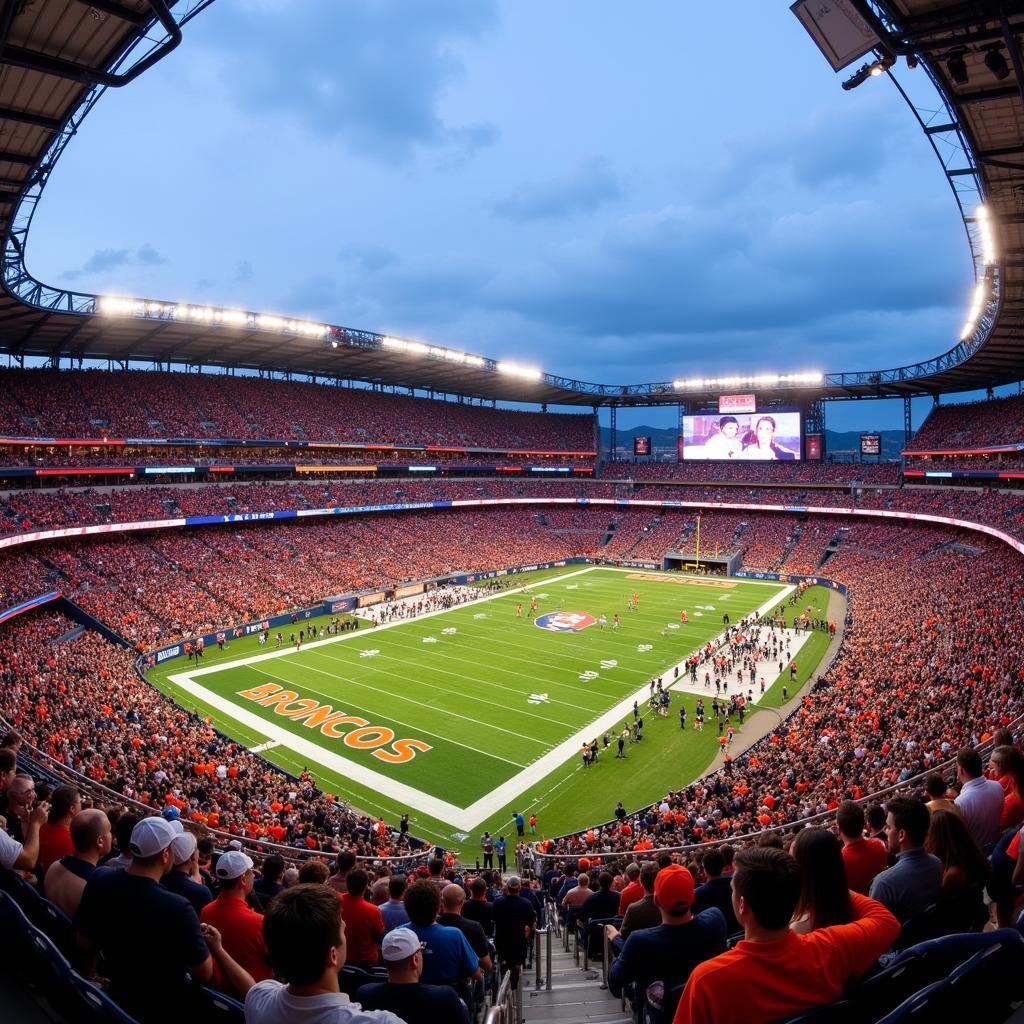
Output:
x,y
835,440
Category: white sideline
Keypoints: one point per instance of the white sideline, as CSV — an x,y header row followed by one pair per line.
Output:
x,y
463,818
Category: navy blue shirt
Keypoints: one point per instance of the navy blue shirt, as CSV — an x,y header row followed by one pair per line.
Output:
x,y
184,885
149,938
417,1003
669,952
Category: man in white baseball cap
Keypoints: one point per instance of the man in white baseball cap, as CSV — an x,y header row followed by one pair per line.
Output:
x,y
150,937
239,925
402,993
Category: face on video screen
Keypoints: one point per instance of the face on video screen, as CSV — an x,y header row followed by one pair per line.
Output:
x,y
752,437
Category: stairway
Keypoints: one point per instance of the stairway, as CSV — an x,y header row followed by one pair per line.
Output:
x,y
575,996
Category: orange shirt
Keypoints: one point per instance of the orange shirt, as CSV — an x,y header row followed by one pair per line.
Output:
x,y
630,894
364,928
241,928
760,982
864,858
54,843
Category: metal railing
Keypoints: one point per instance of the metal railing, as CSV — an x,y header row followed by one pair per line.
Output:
x,y
542,936
508,1004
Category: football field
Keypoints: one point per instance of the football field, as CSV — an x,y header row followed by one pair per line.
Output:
x,y
457,714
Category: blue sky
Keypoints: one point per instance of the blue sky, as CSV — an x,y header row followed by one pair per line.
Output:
x,y
613,192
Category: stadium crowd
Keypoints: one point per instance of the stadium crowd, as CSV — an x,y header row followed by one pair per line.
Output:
x,y
971,425
142,404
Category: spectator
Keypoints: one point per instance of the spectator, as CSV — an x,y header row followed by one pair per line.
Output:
x,y
862,858
183,878
980,800
644,913
314,872
600,904
241,928
393,911
149,937
716,890
514,921
964,866
938,795
774,973
121,856
874,827
268,885
913,882
305,939
478,908
403,994
55,836
8,772
66,878
453,898
576,896
632,890
364,925
656,960
22,854
824,891
448,959
1007,764
344,863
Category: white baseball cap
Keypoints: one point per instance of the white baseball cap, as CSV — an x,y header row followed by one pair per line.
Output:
x,y
182,847
233,864
151,836
400,943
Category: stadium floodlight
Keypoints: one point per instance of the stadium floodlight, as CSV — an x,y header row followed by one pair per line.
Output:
x,y
233,317
985,234
996,63
517,370
977,303
957,68
115,305
872,69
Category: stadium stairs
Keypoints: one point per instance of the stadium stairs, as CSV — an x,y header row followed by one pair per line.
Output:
x,y
575,994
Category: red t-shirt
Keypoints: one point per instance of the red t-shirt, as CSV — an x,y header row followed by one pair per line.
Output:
x,y
364,929
864,858
241,928
633,892
54,843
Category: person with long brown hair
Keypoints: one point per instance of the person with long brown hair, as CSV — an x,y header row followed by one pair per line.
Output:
x,y
963,863
824,891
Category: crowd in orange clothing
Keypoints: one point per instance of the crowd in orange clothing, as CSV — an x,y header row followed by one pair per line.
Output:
x,y
142,404
970,425
81,703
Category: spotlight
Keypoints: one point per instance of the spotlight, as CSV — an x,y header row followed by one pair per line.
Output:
x,y
957,69
996,63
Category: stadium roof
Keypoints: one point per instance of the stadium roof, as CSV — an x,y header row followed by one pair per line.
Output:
x,y
57,58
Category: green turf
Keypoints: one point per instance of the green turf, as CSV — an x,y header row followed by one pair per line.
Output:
x,y
467,695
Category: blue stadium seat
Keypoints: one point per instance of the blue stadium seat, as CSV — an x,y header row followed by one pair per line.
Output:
x,y
212,1007
838,1012
351,977
989,984
94,1006
925,1005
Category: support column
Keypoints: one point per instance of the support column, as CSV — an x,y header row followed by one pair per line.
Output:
x,y
908,430
613,437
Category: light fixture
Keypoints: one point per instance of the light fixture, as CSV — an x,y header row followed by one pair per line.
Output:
x,y
957,68
870,70
996,63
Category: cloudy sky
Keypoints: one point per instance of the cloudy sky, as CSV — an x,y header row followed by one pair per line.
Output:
x,y
613,192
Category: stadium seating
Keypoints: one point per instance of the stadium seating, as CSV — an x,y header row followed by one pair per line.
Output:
x,y
138,404
973,425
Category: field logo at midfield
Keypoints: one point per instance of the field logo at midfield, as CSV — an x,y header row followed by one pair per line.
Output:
x,y
564,622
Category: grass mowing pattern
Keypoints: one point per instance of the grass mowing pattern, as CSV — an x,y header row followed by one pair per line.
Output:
x,y
468,693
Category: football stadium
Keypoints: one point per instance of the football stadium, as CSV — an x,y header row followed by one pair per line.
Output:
x,y
373,673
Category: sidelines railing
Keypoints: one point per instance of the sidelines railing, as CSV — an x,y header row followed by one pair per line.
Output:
x,y
508,1004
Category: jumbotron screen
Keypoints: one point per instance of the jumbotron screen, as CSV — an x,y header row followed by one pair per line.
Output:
x,y
772,436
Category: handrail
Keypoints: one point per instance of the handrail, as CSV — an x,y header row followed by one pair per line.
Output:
x,y
502,1008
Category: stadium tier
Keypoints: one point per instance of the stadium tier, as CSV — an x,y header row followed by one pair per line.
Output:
x,y
972,428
